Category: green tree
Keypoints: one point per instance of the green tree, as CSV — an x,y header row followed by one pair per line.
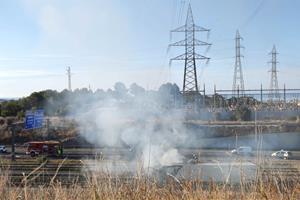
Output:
x,y
242,113
10,108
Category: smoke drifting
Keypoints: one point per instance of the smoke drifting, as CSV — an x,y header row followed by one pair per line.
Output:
x,y
143,124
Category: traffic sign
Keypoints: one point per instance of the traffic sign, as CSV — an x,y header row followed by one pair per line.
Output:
x,y
29,120
38,118
34,119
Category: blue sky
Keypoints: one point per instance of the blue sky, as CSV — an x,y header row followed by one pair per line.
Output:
x,y
105,41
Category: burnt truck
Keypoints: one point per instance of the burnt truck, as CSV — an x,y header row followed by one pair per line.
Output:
x,y
48,148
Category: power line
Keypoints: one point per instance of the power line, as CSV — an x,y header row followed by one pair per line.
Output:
x,y
181,9
254,13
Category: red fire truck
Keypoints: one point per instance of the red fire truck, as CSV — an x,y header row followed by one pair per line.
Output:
x,y
51,148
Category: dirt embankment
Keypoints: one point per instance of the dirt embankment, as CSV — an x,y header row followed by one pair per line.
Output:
x,y
54,129
67,131
229,128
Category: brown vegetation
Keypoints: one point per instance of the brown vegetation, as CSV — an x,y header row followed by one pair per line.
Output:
x,y
142,189
104,186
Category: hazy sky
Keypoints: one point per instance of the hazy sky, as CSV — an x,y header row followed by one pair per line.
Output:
x,y
105,41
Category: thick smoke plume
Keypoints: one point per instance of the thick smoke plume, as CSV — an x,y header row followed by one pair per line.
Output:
x,y
139,120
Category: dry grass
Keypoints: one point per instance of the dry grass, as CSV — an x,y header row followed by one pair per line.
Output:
x,y
103,186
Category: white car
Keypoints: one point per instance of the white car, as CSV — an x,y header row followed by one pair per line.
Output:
x,y
282,154
3,149
243,150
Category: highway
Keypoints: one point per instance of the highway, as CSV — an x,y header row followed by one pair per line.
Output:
x,y
78,164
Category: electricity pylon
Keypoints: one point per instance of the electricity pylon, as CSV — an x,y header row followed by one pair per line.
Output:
x,y
274,90
238,79
190,82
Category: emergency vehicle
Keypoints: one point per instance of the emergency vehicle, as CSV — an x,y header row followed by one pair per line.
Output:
x,y
50,148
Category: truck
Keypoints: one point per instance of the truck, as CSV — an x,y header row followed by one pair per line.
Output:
x,y
49,148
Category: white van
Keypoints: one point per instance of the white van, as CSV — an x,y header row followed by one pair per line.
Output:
x,y
242,150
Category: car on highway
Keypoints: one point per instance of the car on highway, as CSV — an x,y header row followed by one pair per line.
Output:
x,y
3,149
282,154
242,150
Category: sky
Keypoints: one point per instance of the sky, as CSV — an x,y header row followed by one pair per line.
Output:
x,y
105,41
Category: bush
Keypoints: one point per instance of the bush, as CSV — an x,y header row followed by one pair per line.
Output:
x,y
242,113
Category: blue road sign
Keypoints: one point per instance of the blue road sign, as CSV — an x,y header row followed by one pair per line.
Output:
x,y
38,118
29,120
34,119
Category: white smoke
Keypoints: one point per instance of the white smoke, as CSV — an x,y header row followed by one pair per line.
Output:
x,y
146,129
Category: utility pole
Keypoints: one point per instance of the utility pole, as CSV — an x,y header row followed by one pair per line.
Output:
x,y
47,128
274,91
13,135
284,95
238,79
215,94
204,93
13,128
190,83
69,78
261,94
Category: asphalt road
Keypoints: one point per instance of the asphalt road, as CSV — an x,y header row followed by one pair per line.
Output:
x,y
125,153
78,162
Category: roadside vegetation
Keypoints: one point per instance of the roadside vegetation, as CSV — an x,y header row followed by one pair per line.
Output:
x,y
168,96
102,186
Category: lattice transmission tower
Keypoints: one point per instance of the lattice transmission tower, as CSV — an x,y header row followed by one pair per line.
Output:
x,y
274,90
190,82
238,79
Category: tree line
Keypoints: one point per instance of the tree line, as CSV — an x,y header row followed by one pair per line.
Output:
x,y
62,103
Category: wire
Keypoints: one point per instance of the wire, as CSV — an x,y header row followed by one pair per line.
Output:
x,y
182,6
174,13
254,13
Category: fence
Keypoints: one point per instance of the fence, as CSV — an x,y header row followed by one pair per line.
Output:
x,y
281,98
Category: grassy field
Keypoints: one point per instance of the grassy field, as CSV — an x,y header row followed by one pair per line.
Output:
x,y
48,179
143,188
